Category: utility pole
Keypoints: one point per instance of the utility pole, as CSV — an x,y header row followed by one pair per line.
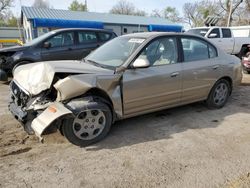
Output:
x,y
230,13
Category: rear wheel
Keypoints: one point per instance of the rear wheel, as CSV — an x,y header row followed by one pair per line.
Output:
x,y
219,94
88,126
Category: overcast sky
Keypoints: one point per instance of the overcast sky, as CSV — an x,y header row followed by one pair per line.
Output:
x,y
106,5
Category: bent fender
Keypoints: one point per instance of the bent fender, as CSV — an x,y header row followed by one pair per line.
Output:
x,y
47,117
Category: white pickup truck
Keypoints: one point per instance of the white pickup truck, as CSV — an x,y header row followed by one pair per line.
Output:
x,y
224,39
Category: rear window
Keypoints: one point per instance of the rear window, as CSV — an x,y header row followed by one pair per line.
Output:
x,y
104,36
195,49
226,33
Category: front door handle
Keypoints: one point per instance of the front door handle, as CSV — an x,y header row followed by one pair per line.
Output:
x,y
215,67
174,74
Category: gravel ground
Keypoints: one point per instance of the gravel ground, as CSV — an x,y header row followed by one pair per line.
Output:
x,y
188,146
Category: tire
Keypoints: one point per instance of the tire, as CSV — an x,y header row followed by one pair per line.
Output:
x,y
219,94
88,126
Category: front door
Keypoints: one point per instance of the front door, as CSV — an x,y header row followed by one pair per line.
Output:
x,y
155,87
62,47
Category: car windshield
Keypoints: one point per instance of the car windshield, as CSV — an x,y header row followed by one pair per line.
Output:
x,y
201,32
115,52
39,39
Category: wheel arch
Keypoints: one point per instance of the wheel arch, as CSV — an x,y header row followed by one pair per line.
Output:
x,y
230,81
103,96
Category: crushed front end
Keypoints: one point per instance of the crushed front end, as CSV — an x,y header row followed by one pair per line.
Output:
x,y
24,107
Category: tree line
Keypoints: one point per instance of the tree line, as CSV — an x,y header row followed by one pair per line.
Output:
x,y
229,12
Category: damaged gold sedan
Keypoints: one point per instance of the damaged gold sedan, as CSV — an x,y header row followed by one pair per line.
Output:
x,y
128,76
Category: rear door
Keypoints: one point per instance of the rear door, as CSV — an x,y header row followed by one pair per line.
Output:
x,y
155,87
87,41
62,47
201,68
228,40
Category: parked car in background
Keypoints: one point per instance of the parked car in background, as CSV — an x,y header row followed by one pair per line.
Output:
x,y
130,75
62,44
224,38
246,64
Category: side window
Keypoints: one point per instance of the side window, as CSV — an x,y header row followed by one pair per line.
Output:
x,y
86,37
194,49
226,33
63,39
215,33
161,52
104,36
212,51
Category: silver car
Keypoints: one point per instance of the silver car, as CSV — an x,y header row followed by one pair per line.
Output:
x,y
128,76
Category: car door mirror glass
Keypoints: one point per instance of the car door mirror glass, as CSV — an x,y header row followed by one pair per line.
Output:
x,y
141,62
213,35
47,45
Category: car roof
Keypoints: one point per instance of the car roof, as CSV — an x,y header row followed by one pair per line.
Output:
x,y
82,29
157,34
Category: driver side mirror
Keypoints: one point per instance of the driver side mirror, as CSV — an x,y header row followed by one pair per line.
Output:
x,y
141,62
212,35
47,45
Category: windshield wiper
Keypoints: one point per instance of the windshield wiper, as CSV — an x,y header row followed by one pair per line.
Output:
x,y
93,63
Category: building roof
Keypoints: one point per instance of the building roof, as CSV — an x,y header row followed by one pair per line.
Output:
x,y
32,13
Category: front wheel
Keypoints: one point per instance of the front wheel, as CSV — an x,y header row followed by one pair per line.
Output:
x,y
219,94
88,126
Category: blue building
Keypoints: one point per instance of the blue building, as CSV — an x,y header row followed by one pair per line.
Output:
x,y
37,21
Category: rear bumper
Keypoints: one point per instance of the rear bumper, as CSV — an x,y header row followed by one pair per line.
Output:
x,y
245,65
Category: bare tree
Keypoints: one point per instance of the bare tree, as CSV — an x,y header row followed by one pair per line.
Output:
x,y
123,7
5,6
229,6
156,13
241,15
192,14
126,8
140,13
5,13
195,13
41,4
172,14
76,6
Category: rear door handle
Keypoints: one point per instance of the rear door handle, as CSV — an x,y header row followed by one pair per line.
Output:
x,y
174,74
215,67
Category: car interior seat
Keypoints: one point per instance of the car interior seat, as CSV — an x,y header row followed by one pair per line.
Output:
x,y
167,54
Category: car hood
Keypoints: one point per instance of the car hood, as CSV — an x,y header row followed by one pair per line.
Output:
x,y
14,49
37,77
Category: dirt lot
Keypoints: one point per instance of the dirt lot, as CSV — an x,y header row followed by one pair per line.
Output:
x,y
188,146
